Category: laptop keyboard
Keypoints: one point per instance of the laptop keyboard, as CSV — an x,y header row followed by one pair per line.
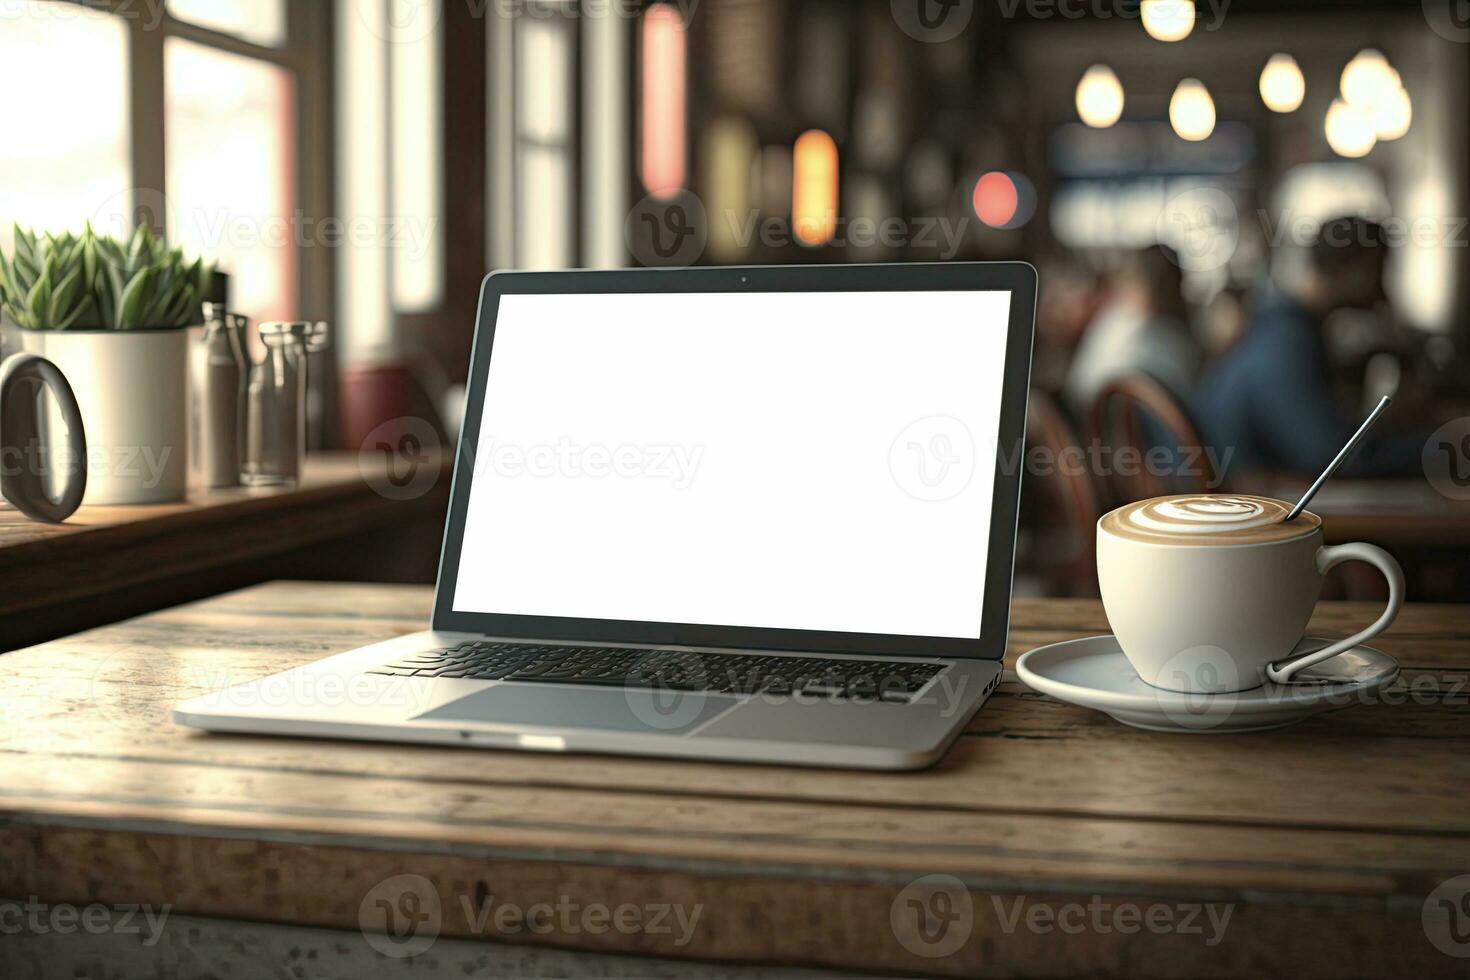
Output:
x,y
715,673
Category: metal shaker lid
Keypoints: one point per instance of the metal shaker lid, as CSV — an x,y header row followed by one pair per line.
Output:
x,y
282,332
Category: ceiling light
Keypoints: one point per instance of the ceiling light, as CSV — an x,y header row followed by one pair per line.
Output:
x,y
1192,111
1350,130
1167,20
1282,84
1099,97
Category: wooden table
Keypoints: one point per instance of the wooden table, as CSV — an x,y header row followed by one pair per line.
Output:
x,y
1322,842
106,563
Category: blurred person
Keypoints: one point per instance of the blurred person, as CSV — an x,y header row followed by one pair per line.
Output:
x,y
1070,297
1142,327
1269,399
1223,322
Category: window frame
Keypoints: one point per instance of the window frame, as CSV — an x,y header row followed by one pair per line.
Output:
x,y
568,148
599,150
307,53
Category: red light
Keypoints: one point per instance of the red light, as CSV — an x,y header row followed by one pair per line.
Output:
x,y
996,199
663,100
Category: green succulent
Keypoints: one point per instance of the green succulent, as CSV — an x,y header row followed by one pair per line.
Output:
x,y
46,285
96,281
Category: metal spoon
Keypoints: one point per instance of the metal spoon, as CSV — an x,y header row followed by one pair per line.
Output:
x,y
1336,462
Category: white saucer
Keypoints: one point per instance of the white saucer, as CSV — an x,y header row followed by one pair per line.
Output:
x,y
1094,673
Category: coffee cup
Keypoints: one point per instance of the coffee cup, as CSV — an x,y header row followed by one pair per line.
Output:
x,y
1211,593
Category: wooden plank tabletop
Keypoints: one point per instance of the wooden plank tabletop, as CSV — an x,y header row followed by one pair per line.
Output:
x,y
1070,844
124,556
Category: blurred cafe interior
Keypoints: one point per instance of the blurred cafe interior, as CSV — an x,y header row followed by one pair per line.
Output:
x,y
1250,222
1248,216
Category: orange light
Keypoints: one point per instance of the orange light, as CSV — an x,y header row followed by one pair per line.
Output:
x,y
663,101
814,188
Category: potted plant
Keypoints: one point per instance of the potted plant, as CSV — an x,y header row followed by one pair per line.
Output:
x,y
114,317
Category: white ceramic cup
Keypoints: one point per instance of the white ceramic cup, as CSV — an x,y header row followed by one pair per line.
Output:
x,y
1205,613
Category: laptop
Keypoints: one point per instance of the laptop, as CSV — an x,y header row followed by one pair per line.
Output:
x,y
746,514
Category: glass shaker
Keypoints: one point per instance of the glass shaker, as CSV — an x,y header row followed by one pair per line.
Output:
x,y
275,442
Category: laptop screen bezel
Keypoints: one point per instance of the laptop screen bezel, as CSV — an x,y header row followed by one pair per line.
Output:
x,y
1017,278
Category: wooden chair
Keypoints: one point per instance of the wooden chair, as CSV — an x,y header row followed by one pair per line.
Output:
x,y
1136,414
1064,501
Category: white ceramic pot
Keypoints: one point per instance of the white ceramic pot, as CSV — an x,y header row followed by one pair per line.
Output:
x,y
131,386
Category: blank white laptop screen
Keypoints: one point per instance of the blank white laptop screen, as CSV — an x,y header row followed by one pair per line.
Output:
x,y
812,461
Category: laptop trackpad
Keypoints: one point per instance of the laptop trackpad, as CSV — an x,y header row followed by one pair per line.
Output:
x,y
618,710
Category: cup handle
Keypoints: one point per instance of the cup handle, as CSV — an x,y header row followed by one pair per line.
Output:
x,y
21,377
1328,558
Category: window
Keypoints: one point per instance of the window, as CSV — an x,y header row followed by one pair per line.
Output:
x,y
390,148
231,171
545,168
65,158
417,90
558,162
257,21
189,116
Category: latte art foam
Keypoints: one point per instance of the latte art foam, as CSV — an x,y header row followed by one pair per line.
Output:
x,y
1205,515
1208,519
